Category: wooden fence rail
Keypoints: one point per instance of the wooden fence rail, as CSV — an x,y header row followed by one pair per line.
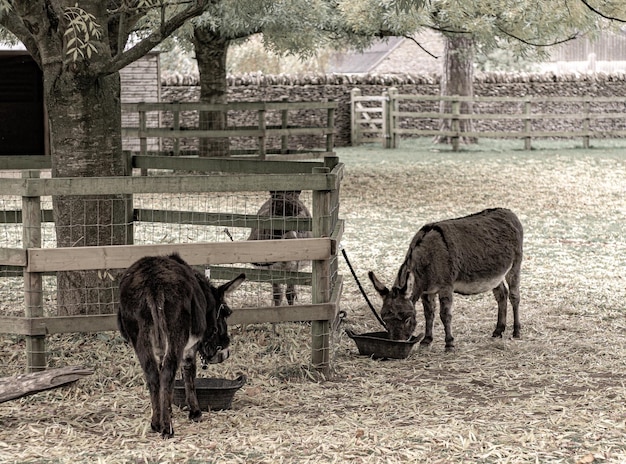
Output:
x,y
525,118
150,117
322,178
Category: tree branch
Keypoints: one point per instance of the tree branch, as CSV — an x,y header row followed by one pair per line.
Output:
x,y
420,46
598,12
142,47
527,42
445,30
26,22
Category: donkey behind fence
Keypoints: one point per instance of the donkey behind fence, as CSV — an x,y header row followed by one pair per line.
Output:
x,y
467,255
282,204
169,312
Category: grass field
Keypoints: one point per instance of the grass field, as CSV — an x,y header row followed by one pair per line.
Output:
x,y
556,395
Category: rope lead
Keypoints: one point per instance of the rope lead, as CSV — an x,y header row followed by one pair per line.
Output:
x,y
343,252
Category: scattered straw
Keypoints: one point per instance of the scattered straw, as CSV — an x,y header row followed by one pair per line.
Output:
x,y
556,395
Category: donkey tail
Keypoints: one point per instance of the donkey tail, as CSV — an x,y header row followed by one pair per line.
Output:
x,y
159,323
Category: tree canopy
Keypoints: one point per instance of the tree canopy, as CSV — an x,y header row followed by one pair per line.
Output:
x,y
80,46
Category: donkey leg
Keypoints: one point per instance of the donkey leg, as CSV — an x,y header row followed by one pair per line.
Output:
x,y
168,374
151,371
277,293
428,302
290,293
189,378
513,279
445,313
501,293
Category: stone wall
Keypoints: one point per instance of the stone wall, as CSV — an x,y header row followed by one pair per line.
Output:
x,y
334,87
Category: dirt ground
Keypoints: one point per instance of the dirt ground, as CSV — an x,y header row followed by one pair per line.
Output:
x,y
556,395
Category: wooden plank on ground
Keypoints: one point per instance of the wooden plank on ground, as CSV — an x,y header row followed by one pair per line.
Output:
x,y
27,384
122,256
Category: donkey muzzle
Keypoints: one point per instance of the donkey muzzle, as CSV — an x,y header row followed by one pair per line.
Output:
x,y
222,355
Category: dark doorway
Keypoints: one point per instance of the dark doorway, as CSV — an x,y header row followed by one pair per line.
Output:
x,y
22,121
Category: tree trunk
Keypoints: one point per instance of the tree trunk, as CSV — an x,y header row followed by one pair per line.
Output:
x,y
457,78
86,142
211,51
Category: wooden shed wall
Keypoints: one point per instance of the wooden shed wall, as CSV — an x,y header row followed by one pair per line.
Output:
x,y
22,114
141,82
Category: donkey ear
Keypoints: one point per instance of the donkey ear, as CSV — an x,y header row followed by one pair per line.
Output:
x,y
231,286
380,288
408,287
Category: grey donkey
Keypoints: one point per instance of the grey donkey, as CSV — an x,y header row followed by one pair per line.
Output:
x,y
282,204
467,255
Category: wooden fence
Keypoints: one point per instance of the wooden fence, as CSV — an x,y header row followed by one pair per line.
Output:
x,y
322,178
389,117
265,127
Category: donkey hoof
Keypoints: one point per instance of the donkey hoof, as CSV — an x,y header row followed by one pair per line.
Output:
x,y
167,432
195,416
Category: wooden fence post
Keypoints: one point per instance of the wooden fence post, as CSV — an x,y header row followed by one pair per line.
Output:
x,y
176,127
331,162
586,122
321,288
330,137
143,140
455,124
393,107
385,118
33,289
284,139
354,124
262,138
527,126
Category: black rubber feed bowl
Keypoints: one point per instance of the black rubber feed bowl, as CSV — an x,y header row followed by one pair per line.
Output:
x,y
378,345
213,393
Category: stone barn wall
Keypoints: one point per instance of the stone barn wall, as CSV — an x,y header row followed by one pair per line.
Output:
x,y
336,87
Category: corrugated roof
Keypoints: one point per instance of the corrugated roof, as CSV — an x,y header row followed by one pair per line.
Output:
x,y
366,61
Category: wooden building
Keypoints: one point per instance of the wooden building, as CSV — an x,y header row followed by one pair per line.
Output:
x,y
23,120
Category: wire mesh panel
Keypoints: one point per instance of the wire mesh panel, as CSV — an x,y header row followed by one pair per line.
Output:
x,y
219,217
46,293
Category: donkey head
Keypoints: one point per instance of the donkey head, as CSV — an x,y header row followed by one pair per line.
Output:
x,y
398,311
214,346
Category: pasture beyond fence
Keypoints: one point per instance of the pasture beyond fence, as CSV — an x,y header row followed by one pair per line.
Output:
x,y
389,117
27,220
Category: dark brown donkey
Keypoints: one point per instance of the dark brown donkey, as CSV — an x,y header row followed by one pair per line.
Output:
x,y
467,255
169,312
